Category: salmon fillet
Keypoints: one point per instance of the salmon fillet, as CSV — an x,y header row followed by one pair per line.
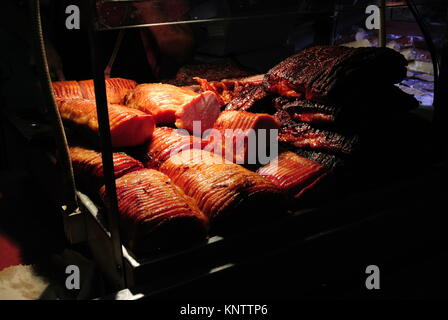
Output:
x,y
245,120
128,127
88,166
228,194
116,89
155,213
166,142
293,174
171,105
67,90
238,136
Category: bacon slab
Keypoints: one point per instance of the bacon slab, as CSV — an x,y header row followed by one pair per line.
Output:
x,y
128,127
253,99
228,194
166,142
229,89
302,135
293,174
306,111
329,161
174,105
283,117
156,213
210,71
88,166
324,73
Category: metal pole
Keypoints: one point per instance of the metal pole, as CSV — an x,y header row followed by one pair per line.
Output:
x,y
382,31
118,42
440,97
106,150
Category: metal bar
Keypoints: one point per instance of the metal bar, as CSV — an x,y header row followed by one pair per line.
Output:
x,y
109,66
106,153
382,31
266,16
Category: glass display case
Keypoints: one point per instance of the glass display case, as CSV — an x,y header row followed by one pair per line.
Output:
x,y
218,40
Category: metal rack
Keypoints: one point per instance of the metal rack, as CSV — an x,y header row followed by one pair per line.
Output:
x,y
124,264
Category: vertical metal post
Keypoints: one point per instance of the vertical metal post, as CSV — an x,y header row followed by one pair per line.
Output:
x,y
382,31
441,101
72,217
106,149
440,96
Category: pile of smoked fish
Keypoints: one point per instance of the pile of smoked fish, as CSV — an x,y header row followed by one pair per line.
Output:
x,y
177,185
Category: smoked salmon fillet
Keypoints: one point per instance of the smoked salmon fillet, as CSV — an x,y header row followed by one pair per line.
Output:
x,y
166,142
228,194
88,166
67,90
243,120
171,105
293,174
238,137
155,213
128,127
116,89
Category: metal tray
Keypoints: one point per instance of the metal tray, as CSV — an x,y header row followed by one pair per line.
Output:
x,y
161,272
